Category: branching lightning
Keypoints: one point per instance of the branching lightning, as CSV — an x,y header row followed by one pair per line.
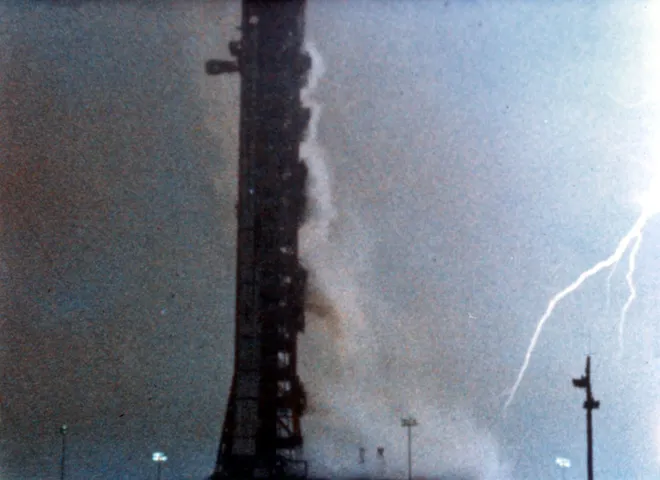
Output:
x,y
633,235
632,260
649,202
608,288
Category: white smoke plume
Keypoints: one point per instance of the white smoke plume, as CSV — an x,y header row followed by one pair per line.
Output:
x,y
332,296
319,193
355,400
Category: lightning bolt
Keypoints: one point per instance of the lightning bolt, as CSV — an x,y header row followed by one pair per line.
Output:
x,y
608,288
633,234
632,260
649,73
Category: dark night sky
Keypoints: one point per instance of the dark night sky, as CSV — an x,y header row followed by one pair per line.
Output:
x,y
477,156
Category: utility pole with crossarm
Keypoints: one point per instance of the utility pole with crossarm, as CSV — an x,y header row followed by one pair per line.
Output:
x,y
589,404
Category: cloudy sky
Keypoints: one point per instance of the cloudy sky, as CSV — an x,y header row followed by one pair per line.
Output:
x,y
472,159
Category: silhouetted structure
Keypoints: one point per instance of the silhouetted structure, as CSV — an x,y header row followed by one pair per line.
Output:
x,y
261,435
589,404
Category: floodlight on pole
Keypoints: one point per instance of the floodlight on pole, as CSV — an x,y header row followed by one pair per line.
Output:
x,y
564,464
159,458
63,431
409,423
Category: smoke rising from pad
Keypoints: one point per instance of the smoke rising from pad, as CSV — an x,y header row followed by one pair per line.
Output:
x,y
332,296
351,374
319,191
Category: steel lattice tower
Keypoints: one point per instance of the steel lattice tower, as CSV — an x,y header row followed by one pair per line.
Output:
x,y
261,436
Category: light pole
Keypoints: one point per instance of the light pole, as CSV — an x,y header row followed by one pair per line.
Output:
x,y
589,404
63,430
409,423
159,458
564,464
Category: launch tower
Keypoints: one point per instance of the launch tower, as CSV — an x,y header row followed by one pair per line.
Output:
x,y
261,435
